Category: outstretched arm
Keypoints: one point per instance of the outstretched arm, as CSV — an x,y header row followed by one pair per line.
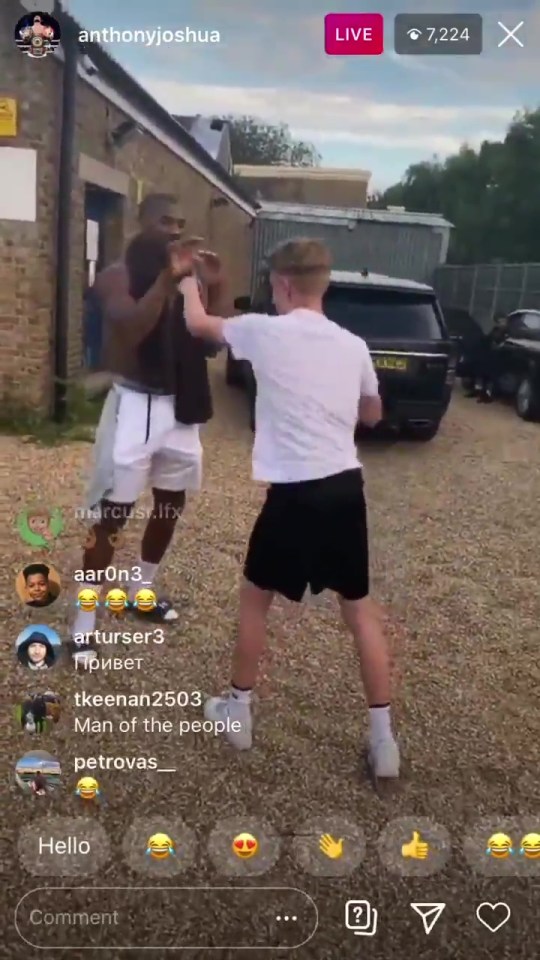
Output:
x,y
212,304
370,410
242,334
198,321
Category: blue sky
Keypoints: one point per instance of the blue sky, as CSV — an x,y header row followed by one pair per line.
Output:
x,y
375,113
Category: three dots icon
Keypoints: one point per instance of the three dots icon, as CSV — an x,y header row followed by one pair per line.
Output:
x,y
286,919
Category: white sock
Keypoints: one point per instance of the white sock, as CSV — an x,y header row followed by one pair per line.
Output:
x,y
147,573
380,723
239,702
85,620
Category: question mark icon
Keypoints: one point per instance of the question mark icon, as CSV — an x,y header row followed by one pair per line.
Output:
x,y
361,918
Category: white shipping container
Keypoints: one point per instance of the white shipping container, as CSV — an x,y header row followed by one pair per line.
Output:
x,y
396,243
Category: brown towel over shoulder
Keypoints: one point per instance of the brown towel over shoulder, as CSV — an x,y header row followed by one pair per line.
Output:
x,y
170,359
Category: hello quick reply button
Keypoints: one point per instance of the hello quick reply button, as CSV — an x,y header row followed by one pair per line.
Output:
x,y
354,34
166,918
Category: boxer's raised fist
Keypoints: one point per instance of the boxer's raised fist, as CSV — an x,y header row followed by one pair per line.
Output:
x,y
209,267
182,255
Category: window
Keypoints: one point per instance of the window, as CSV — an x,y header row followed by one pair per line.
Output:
x,y
526,325
531,321
379,314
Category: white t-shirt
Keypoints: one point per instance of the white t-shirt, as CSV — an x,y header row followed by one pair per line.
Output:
x,y
310,376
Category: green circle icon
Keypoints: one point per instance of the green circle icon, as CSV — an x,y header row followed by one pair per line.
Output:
x,y
40,526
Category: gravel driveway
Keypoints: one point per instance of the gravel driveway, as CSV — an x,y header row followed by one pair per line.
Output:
x,y
455,566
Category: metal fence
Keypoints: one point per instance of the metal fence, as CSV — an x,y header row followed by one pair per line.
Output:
x,y
486,290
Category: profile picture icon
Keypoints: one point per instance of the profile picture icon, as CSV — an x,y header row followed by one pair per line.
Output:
x,y
38,585
38,648
38,712
38,773
40,526
37,34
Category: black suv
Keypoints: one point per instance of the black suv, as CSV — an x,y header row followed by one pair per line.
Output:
x,y
517,363
403,326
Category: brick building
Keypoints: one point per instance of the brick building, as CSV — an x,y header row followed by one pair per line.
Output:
x,y
317,186
125,146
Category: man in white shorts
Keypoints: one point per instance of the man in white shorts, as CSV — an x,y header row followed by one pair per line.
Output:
x,y
148,434
315,381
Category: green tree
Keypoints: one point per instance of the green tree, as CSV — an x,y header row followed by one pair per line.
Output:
x,y
490,195
265,144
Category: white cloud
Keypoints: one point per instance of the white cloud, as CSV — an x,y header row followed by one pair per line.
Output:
x,y
329,118
430,143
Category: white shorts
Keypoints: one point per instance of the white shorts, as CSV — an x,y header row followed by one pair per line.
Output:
x,y
151,449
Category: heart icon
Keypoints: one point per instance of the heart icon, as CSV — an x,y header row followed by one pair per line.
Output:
x,y
493,916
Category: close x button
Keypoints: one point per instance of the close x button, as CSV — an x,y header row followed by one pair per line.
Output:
x,y
166,918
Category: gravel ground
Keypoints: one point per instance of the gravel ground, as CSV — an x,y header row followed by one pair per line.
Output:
x,y
455,568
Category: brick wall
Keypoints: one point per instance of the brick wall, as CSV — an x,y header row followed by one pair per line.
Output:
x,y
231,234
27,251
324,192
27,273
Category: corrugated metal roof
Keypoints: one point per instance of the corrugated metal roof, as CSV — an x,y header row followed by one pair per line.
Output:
x,y
376,280
306,212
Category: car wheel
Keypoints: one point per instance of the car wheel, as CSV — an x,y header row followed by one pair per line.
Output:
x,y
423,431
527,400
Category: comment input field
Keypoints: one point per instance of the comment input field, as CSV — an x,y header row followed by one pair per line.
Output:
x,y
166,918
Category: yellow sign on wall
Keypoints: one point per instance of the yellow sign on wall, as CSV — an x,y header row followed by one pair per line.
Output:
x,y
8,117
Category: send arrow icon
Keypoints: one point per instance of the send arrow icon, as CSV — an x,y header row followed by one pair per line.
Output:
x,y
429,913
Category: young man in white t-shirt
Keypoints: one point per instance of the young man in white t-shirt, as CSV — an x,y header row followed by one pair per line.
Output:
x,y
315,381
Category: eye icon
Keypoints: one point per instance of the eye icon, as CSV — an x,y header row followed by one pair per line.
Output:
x,y
414,33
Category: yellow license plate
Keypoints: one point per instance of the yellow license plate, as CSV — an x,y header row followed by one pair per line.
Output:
x,y
391,363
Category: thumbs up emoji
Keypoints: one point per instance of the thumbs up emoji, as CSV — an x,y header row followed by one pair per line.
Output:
x,y
416,849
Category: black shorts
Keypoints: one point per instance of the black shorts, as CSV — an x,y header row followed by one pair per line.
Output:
x,y
312,534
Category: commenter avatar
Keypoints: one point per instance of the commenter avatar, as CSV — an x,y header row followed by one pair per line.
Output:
x,y
39,527
38,647
38,585
38,773
38,712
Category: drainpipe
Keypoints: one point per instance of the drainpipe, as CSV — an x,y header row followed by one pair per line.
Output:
x,y
64,212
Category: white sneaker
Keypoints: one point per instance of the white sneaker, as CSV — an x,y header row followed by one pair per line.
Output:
x,y
83,658
82,651
218,710
384,758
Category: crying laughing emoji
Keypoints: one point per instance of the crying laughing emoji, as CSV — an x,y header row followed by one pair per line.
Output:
x,y
88,789
145,600
499,846
116,601
160,847
88,599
